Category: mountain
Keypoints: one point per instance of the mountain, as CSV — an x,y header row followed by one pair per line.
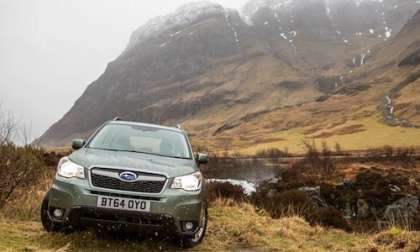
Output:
x,y
399,59
273,74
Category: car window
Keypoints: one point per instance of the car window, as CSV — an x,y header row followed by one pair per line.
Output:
x,y
145,139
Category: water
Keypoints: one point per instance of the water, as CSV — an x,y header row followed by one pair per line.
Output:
x,y
248,187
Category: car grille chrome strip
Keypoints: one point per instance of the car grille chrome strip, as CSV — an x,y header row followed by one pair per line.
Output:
x,y
109,178
115,174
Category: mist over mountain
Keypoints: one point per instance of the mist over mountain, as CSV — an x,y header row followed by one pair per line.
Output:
x,y
323,68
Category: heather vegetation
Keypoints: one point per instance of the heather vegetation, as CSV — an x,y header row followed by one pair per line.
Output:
x,y
369,191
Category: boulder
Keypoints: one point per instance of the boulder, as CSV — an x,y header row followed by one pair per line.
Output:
x,y
394,188
363,209
404,208
274,181
314,194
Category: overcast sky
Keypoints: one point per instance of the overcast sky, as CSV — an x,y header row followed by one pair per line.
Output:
x,y
50,50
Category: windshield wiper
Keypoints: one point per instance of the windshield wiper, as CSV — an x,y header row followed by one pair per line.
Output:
x,y
155,154
141,152
95,148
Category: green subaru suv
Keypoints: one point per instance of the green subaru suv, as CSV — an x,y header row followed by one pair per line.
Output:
x,y
130,176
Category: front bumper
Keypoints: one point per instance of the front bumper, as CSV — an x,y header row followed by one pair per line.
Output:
x,y
168,210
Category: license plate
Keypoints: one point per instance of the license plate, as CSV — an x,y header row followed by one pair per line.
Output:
x,y
123,203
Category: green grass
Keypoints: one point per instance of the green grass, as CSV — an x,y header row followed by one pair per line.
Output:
x,y
375,135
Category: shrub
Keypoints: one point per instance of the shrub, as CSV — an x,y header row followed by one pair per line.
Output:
x,y
8,127
389,153
316,165
25,202
405,154
273,154
416,222
287,203
329,217
217,190
52,158
19,166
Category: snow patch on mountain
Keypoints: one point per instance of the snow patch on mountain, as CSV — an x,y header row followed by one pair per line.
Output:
x,y
328,9
187,14
229,24
389,104
254,6
362,58
184,15
388,32
283,35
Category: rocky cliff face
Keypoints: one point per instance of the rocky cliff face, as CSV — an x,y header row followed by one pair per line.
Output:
x,y
214,69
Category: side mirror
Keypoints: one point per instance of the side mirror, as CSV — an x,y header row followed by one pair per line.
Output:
x,y
78,144
202,158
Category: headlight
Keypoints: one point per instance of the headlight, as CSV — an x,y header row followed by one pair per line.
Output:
x,y
190,182
68,169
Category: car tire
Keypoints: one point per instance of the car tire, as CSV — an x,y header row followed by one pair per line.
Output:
x,y
189,242
47,223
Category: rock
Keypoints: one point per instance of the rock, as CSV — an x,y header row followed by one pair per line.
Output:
x,y
314,193
328,85
406,207
363,209
348,212
273,180
394,188
412,59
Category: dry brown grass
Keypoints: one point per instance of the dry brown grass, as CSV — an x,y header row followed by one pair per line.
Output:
x,y
25,203
350,129
232,227
25,175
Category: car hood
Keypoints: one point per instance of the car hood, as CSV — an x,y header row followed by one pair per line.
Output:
x,y
172,167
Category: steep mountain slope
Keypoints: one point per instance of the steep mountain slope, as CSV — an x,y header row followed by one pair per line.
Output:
x,y
281,65
176,66
376,104
402,103
326,34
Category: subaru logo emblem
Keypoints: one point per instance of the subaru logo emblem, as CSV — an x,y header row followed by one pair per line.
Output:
x,y
128,176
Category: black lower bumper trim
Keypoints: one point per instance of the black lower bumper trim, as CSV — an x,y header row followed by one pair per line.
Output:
x,y
115,219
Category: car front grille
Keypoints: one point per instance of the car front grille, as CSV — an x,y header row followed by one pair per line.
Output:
x,y
109,179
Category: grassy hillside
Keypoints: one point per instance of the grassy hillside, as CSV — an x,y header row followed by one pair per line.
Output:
x,y
359,133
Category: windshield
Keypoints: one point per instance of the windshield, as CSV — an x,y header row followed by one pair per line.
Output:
x,y
142,139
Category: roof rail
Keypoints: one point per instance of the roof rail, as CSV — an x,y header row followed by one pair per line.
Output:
x,y
116,119
179,126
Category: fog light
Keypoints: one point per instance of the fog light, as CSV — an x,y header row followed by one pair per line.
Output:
x,y
58,213
189,226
